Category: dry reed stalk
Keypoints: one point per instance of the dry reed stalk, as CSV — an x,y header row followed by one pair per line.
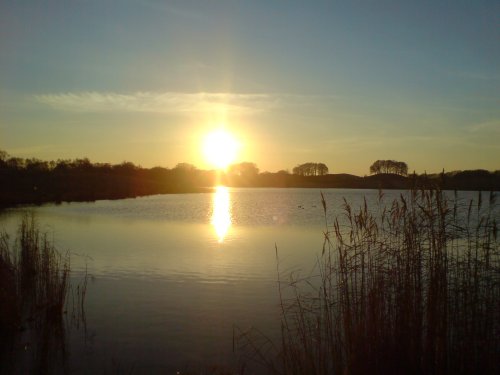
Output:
x,y
34,280
411,287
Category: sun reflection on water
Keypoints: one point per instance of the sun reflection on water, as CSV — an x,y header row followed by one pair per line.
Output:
x,y
221,215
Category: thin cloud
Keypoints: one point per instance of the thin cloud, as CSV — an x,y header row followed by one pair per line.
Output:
x,y
174,102
487,126
156,102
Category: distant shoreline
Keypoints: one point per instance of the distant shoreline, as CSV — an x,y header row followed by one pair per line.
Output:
x,y
33,181
47,188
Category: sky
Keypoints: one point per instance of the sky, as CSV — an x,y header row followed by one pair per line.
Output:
x,y
339,82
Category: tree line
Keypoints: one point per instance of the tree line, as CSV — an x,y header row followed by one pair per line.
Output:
x,y
36,181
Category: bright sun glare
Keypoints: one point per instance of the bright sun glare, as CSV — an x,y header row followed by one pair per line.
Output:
x,y
220,148
221,216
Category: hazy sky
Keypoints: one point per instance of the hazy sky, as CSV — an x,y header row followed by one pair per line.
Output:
x,y
339,82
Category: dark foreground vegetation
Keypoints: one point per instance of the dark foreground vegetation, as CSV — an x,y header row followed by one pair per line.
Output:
x,y
34,286
408,288
33,181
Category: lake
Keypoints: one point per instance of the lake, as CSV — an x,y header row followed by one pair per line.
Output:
x,y
172,275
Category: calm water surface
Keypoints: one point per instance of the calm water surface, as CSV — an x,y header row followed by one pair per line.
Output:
x,y
171,275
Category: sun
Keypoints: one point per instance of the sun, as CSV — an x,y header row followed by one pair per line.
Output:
x,y
220,148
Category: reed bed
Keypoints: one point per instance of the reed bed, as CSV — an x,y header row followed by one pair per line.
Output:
x,y
412,287
34,285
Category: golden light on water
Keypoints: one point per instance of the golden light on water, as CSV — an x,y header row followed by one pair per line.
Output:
x,y
221,215
220,148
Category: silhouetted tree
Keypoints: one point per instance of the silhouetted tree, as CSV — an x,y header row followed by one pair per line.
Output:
x,y
283,172
401,168
389,166
3,155
35,181
15,163
321,169
85,164
185,167
125,168
311,169
245,169
3,159
36,165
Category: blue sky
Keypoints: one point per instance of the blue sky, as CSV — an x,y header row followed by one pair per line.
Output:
x,y
343,83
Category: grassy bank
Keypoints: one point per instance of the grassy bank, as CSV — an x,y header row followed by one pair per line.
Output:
x,y
412,287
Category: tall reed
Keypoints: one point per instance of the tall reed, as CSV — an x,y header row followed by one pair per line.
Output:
x,y
412,287
34,285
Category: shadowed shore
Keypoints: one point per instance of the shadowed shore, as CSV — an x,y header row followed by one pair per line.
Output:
x,y
32,181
